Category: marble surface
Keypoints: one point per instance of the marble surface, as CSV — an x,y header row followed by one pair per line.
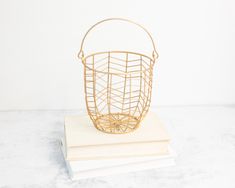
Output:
x,y
203,137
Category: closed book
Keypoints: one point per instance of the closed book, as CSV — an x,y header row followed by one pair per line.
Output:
x,y
83,141
104,167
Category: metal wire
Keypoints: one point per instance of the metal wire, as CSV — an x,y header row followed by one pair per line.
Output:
x,y
118,87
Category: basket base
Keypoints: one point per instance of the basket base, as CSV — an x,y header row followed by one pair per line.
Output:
x,y
116,123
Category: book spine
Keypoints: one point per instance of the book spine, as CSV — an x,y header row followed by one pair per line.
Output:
x,y
117,151
122,169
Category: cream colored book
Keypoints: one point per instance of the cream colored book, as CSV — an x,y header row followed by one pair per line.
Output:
x,y
120,169
104,167
83,141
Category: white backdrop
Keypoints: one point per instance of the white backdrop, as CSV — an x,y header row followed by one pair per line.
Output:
x,y
39,41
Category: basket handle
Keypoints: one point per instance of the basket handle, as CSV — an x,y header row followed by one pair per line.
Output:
x,y
81,53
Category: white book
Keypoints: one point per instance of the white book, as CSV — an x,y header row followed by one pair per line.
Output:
x,y
94,168
83,141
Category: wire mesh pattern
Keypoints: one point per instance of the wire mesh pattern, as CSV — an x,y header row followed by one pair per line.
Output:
x,y
118,88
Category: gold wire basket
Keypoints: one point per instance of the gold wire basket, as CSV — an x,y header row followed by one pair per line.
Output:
x,y
118,86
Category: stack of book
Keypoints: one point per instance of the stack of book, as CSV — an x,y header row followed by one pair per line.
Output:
x,y
91,153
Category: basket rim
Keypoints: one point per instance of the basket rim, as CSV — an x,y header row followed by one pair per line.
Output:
x,y
117,51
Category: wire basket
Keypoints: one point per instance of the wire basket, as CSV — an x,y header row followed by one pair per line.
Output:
x,y
118,86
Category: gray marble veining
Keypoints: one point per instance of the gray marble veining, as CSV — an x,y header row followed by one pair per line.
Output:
x,y
203,137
